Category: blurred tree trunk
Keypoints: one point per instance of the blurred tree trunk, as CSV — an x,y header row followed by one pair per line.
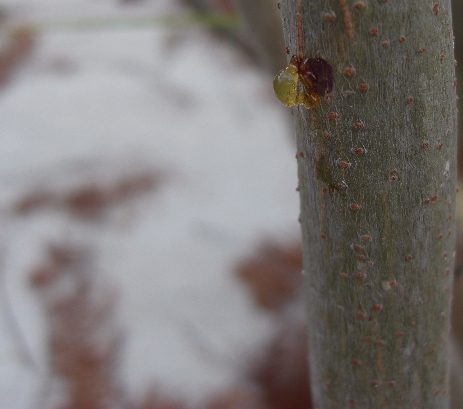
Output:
x,y
262,30
259,35
377,177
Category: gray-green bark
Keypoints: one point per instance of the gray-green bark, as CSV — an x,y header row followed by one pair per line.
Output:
x,y
378,222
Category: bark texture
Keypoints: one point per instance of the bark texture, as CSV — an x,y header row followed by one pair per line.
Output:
x,y
377,178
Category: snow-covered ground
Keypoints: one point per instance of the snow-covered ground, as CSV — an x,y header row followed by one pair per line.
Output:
x,y
94,103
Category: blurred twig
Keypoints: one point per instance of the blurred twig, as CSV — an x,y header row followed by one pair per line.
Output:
x,y
259,35
25,354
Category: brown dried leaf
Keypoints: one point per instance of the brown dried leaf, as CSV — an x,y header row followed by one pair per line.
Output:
x,y
83,342
20,45
237,399
283,373
155,400
92,200
273,275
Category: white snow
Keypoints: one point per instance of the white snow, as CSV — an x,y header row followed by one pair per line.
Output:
x,y
94,104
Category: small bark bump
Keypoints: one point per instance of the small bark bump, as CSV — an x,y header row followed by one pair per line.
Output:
x,y
349,71
329,16
358,151
363,87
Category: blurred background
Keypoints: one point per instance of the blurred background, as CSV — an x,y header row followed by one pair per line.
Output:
x,y
149,243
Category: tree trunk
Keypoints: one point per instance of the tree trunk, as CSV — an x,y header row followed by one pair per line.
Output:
x,y
377,178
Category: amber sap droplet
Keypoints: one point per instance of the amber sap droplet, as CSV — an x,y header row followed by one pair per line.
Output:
x,y
410,100
374,31
358,125
402,39
359,5
360,276
361,315
355,362
311,100
285,86
303,82
435,9
391,384
354,207
385,44
377,307
287,50
368,339
422,49
333,115
374,383
366,238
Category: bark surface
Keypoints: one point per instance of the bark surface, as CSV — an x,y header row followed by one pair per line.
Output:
x,y
377,179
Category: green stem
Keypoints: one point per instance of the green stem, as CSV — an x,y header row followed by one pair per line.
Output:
x,y
377,176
